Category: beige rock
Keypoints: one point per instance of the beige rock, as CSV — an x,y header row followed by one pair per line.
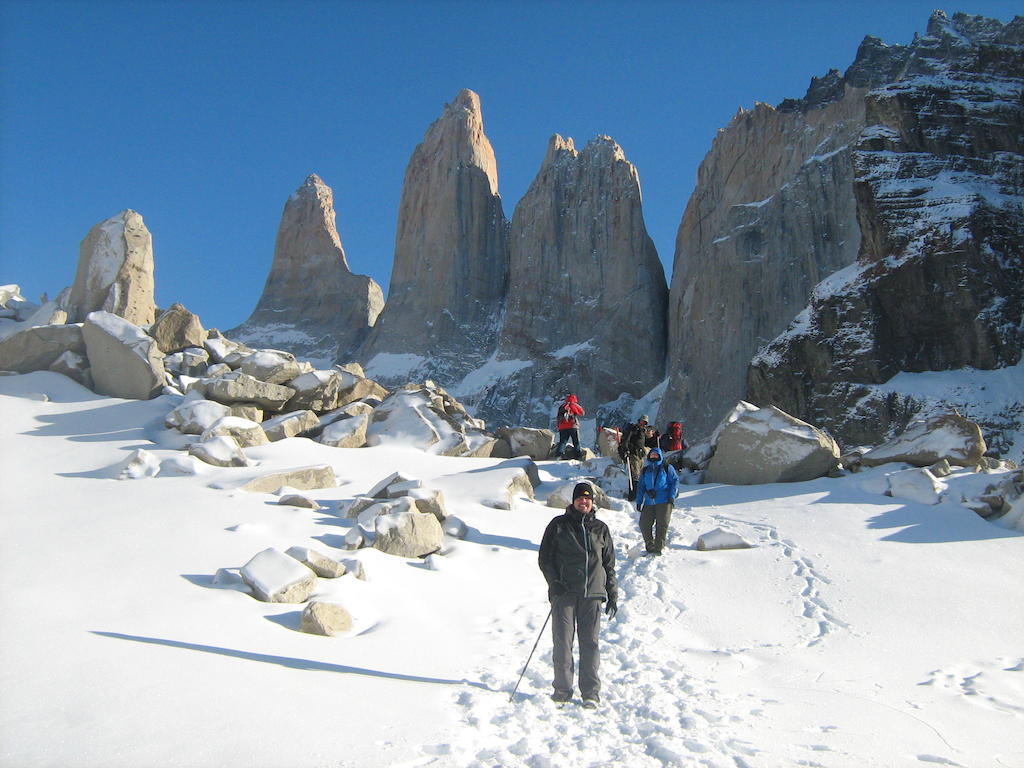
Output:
x,y
346,433
271,366
289,424
238,387
115,271
408,534
303,479
220,452
947,436
177,329
527,441
75,366
36,349
247,433
319,563
322,618
123,360
274,577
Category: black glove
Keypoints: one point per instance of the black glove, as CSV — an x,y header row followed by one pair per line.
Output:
x,y
611,607
650,493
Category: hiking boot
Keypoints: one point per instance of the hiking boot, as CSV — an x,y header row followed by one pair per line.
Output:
x,y
560,697
591,702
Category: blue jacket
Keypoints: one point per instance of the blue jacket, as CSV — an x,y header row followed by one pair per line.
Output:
x,y
661,478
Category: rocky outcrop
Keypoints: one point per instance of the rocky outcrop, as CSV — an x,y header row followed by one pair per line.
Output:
x,y
312,303
123,360
585,309
772,214
115,271
451,257
939,281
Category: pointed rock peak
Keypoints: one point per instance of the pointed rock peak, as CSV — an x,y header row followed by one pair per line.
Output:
x,y
559,148
467,100
314,181
604,147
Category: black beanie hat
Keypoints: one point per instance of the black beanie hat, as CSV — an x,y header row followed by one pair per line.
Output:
x,y
582,489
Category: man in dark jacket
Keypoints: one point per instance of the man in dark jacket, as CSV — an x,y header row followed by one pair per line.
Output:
x,y
578,561
632,450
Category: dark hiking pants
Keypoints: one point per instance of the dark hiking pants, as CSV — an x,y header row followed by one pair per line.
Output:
x,y
564,436
654,520
572,615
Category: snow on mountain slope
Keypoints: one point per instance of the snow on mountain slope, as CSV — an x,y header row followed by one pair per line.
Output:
x,y
861,630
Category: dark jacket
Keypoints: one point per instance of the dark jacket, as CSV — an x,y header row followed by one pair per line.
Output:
x,y
577,556
632,443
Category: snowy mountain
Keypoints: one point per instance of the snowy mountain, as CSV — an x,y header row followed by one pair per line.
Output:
x,y
858,629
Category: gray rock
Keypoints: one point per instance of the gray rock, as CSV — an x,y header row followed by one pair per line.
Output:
x,y
75,366
124,361
345,433
238,387
220,452
298,500
561,496
271,366
193,417
246,433
323,618
946,436
36,349
527,441
115,271
429,501
770,446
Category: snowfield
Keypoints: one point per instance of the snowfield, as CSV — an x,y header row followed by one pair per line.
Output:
x,y
859,630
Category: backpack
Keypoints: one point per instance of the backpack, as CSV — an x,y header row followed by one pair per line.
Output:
x,y
673,439
565,415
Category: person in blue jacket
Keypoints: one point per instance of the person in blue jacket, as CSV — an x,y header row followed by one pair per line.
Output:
x,y
655,495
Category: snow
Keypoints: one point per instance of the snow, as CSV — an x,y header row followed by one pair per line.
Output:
x,y
490,373
859,629
390,366
571,350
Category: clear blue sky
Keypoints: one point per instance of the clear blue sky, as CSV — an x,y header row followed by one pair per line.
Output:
x,y
205,116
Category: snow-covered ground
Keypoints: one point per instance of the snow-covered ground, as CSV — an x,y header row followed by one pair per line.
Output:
x,y
860,630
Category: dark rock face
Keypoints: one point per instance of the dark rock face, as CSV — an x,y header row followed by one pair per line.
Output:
x,y
312,304
451,257
939,281
585,309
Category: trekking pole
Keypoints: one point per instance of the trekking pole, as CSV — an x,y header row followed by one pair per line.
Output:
x,y
546,620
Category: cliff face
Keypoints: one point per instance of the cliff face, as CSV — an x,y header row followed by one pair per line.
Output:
x,y
585,308
451,256
939,184
772,214
312,303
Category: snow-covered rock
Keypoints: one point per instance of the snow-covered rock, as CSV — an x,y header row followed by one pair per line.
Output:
x,y
770,446
275,577
408,534
183,465
946,436
139,465
124,360
323,618
177,329
271,366
289,424
721,539
917,484
346,432
247,433
195,416
528,441
221,451
292,498
322,565
318,390
75,366
561,496
36,349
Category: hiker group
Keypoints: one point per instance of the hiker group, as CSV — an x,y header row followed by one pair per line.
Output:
x,y
653,482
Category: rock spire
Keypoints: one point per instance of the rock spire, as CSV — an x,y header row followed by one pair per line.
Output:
x,y
312,303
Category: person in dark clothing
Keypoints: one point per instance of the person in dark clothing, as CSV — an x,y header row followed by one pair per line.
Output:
x,y
632,450
655,495
651,437
672,439
568,425
577,559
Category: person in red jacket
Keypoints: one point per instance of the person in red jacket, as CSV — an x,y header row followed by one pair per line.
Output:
x,y
568,425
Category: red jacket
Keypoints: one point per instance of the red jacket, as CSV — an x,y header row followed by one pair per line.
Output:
x,y
570,406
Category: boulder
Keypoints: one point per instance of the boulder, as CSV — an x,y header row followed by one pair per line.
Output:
x,y
494,448
346,432
408,534
429,501
290,424
224,350
247,433
317,391
926,441
719,539
182,465
362,389
354,538
917,484
770,446
320,564
272,366
303,479
292,498
238,387
36,349
193,417
115,272
177,329
561,496
219,452
322,618
455,527
124,361
274,577
518,485
608,442
527,441
352,367
380,489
